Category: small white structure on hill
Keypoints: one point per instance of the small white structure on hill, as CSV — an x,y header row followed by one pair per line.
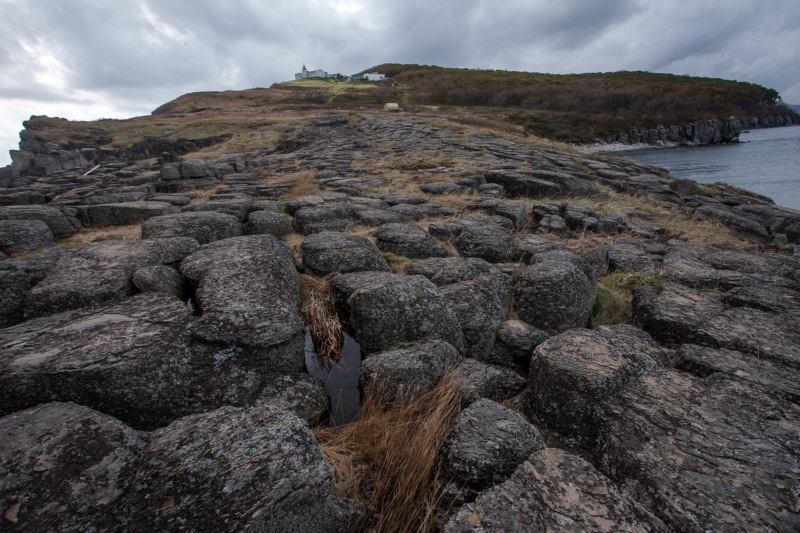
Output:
x,y
374,76
305,73
391,107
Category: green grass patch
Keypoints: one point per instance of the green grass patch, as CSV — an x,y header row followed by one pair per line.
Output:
x,y
615,296
397,263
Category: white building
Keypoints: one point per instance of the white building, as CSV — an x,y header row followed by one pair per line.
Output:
x,y
374,76
319,73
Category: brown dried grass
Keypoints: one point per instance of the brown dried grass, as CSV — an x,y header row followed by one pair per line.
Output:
x,y
387,459
131,232
319,312
303,183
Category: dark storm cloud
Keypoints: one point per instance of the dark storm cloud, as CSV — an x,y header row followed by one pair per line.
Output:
x,y
81,58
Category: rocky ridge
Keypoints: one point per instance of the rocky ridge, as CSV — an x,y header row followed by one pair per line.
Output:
x,y
160,383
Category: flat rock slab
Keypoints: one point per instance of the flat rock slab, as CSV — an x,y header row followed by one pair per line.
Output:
x,y
713,454
65,468
488,242
410,370
574,374
408,240
401,309
14,286
62,222
203,226
19,236
249,292
486,444
446,270
554,491
100,272
234,469
332,251
267,222
554,295
120,214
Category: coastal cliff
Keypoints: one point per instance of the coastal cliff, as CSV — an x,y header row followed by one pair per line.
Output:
x,y
528,318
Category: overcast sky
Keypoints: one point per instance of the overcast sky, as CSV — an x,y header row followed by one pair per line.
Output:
x,y
87,59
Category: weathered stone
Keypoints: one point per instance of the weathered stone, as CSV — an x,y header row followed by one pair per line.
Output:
x,y
203,226
344,285
705,455
554,296
513,210
19,236
237,206
195,168
234,469
629,257
420,211
488,381
441,187
410,370
490,243
65,468
574,374
486,444
249,293
300,393
554,491
160,278
514,344
366,216
99,272
121,214
447,270
14,286
331,251
267,223
325,217
402,309
408,240
62,222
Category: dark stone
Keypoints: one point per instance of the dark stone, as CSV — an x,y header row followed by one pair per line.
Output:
x,y
490,243
234,469
408,240
14,286
300,393
195,168
267,223
441,187
420,211
124,213
62,222
203,226
65,468
331,251
325,217
160,278
447,270
488,381
237,206
19,236
514,344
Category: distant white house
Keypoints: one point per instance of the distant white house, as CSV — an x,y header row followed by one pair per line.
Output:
x,y
319,73
374,76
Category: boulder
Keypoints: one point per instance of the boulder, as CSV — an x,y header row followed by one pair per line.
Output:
x,y
408,371
401,309
332,251
705,455
447,270
513,210
344,285
302,394
62,222
121,214
333,216
408,240
267,223
514,344
14,286
574,374
441,187
554,491
238,206
488,381
487,443
490,243
203,226
249,292
554,296
422,210
160,278
19,236
234,469
195,168
65,468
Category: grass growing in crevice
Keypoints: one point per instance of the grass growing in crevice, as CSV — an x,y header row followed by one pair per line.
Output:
x,y
387,459
398,263
319,312
615,296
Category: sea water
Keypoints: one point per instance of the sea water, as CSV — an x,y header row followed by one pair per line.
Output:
x,y
765,161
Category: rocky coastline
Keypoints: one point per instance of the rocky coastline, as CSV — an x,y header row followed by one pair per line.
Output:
x,y
153,373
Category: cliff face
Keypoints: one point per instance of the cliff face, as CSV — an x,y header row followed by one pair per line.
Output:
x,y
712,131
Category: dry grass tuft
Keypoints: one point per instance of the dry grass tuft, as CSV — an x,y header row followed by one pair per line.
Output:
x,y
319,312
202,195
131,232
614,304
303,183
398,263
387,458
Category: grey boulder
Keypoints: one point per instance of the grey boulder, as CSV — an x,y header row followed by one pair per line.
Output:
x,y
203,226
332,251
19,236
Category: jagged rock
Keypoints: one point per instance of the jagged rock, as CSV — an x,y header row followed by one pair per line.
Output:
x,y
249,293
574,374
514,344
14,286
267,223
300,393
780,380
99,272
552,224
447,270
713,454
488,381
554,296
410,370
480,304
65,468
124,213
490,243
331,251
554,491
234,469
19,236
62,222
160,278
401,309
204,226
408,240
486,444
